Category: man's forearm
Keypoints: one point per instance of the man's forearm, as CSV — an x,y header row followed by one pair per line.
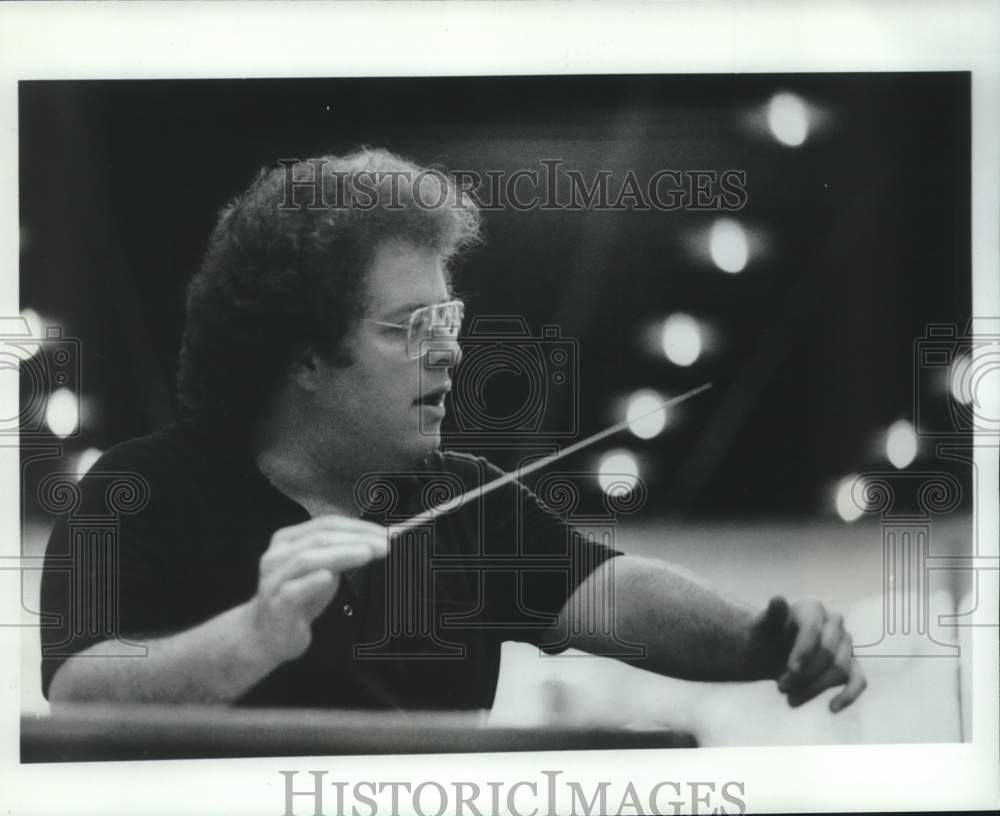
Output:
x,y
685,629
216,661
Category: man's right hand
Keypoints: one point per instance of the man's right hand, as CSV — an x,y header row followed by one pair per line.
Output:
x,y
300,574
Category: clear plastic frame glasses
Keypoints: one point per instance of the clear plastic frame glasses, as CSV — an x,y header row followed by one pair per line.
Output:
x,y
428,323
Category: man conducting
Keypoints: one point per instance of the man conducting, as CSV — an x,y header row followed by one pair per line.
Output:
x,y
317,355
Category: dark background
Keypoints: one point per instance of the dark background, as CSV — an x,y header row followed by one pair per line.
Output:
x,y
867,231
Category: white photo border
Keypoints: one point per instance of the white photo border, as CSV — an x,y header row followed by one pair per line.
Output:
x,y
305,39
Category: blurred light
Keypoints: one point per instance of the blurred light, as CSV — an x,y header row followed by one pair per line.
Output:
x,y
788,119
847,508
86,461
974,381
62,413
681,339
645,414
34,322
959,381
9,409
618,472
35,328
901,444
728,245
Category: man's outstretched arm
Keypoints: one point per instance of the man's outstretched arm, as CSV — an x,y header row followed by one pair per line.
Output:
x,y
691,632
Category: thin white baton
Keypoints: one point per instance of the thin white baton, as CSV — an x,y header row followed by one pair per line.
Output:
x,y
500,481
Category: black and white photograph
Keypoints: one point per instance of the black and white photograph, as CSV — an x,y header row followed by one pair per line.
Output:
x,y
558,440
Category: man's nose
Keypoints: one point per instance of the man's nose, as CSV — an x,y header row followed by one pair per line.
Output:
x,y
443,352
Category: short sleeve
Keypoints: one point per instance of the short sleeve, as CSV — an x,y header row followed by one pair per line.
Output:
x,y
105,574
534,560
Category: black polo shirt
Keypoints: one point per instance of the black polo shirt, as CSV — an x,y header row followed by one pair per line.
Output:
x,y
166,531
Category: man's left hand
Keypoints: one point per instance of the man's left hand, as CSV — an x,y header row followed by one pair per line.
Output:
x,y
813,652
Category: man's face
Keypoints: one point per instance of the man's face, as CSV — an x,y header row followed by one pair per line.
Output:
x,y
385,410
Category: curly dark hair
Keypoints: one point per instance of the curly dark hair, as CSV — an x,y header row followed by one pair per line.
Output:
x,y
286,266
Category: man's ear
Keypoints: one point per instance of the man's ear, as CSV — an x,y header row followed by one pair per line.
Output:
x,y
305,369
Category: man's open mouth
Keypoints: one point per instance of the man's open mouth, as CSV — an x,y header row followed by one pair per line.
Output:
x,y
434,398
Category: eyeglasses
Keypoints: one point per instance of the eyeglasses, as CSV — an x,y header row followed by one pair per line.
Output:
x,y
428,323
